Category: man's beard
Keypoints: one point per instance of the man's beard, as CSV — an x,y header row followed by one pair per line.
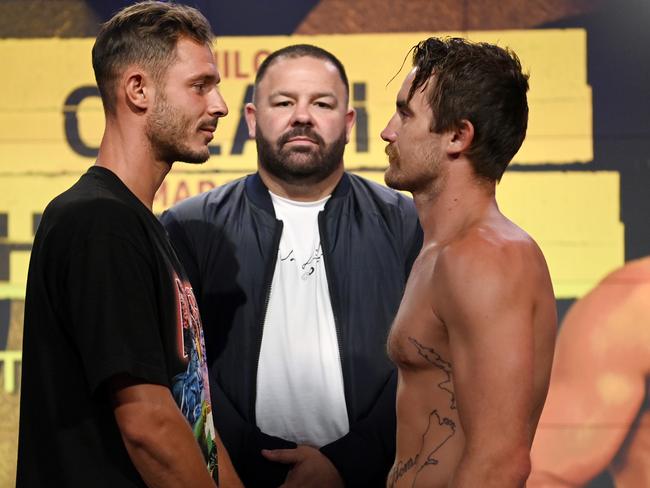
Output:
x,y
168,129
300,165
413,177
392,174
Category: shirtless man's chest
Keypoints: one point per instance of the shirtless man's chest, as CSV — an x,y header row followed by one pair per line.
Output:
x,y
429,436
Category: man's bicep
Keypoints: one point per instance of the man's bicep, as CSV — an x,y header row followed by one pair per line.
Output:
x,y
492,371
489,322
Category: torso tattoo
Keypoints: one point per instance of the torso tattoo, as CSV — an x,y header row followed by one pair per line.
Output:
x,y
440,428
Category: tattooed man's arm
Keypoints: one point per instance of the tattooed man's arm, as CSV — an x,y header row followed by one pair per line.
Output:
x,y
489,322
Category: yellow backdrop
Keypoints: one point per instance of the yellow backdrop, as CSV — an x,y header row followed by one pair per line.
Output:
x,y
51,123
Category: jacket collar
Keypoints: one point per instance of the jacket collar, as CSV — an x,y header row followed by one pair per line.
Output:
x,y
259,194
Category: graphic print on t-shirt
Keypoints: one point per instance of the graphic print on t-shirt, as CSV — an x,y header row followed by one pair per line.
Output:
x,y
190,388
300,392
309,266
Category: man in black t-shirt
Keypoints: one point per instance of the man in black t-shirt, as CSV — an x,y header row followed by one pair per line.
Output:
x,y
114,383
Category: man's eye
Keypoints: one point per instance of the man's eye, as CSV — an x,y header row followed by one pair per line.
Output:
x,y
323,105
284,103
199,87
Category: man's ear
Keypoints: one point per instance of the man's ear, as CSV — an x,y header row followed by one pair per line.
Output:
x,y
350,119
138,89
250,114
460,138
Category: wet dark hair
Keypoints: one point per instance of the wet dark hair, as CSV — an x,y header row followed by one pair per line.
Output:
x,y
144,34
301,51
481,83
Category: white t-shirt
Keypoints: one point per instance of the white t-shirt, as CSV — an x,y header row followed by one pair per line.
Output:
x,y
300,393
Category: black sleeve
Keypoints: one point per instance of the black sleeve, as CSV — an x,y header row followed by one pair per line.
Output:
x,y
181,246
244,440
113,317
364,455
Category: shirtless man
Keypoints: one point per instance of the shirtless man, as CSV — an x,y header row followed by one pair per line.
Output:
x,y
597,415
473,338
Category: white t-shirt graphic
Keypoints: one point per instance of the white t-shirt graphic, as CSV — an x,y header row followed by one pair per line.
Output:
x,y
300,394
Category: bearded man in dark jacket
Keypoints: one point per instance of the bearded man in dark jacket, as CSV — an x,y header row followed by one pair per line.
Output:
x,y
299,270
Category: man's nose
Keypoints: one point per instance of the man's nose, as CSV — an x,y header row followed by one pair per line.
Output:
x,y
389,134
217,106
301,115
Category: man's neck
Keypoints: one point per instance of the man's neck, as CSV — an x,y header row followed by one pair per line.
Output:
x,y
133,163
459,201
301,192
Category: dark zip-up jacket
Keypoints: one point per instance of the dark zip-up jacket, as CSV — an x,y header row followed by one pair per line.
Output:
x,y
228,239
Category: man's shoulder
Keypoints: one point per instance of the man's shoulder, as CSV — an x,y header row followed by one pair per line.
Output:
x,y
75,219
382,191
489,270
379,193
209,202
80,206
502,252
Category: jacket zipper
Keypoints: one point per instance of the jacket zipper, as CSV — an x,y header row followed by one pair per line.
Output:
x,y
333,302
270,272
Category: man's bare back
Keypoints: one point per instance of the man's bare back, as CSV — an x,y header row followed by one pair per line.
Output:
x,y
473,338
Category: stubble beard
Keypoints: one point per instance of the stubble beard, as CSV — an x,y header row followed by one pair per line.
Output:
x,y
300,165
168,130
393,175
426,179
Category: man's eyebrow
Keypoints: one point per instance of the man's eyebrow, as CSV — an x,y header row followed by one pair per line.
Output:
x,y
208,78
403,105
282,93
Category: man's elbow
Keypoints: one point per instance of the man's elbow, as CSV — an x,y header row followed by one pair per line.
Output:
x,y
521,467
495,469
512,469
143,428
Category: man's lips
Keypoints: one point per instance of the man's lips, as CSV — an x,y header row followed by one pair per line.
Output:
x,y
300,136
208,130
301,139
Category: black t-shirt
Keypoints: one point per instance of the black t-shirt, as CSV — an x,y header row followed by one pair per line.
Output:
x,y
105,295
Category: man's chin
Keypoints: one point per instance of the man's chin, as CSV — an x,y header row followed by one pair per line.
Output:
x,y
394,181
300,153
198,157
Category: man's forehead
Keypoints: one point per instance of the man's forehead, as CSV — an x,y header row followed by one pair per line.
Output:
x,y
406,85
306,66
420,94
301,59
192,56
